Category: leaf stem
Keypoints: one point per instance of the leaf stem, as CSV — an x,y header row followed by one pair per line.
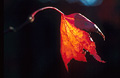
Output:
x,y
31,19
49,7
41,9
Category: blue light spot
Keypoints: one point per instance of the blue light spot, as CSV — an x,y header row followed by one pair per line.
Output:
x,y
91,2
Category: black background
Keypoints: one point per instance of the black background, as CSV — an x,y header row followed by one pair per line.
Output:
x,y
34,52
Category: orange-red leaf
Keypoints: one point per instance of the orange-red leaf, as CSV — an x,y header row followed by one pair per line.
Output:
x,y
74,40
75,37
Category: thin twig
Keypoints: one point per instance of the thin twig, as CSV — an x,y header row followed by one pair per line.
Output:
x,y
30,19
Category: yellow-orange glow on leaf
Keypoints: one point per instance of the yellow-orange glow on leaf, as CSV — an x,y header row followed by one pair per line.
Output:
x,y
74,40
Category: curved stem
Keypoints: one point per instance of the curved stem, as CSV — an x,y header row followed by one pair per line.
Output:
x,y
31,19
49,7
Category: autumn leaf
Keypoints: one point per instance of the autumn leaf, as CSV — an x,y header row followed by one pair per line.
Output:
x,y
75,37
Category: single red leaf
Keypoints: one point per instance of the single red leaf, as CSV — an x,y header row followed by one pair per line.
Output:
x,y
75,37
74,41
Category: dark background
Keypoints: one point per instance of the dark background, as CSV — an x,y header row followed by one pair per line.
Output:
x,y
34,52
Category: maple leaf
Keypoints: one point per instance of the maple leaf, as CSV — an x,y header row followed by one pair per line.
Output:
x,y
75,37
